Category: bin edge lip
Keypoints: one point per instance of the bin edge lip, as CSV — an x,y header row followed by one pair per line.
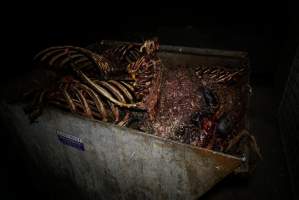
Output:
x,y
186,49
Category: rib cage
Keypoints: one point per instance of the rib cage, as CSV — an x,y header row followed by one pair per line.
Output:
x,y
80,98
218,74
93,97
61,57
124,54
144,72
85,87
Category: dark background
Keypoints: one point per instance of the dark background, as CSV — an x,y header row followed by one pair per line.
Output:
x,y
269,33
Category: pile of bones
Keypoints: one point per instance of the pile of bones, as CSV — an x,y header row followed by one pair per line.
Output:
x,y
128,85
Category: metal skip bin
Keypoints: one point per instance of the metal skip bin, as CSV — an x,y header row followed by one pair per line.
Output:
x,y
110,162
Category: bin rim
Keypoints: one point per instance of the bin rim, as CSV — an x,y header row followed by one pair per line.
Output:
x,y
185,49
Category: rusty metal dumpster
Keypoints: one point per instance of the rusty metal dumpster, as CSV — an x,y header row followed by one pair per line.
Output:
x,y
111,162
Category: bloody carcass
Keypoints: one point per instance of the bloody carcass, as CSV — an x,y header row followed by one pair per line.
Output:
x,y
129,85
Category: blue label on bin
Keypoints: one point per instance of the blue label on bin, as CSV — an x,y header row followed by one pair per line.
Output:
x,y
70,140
